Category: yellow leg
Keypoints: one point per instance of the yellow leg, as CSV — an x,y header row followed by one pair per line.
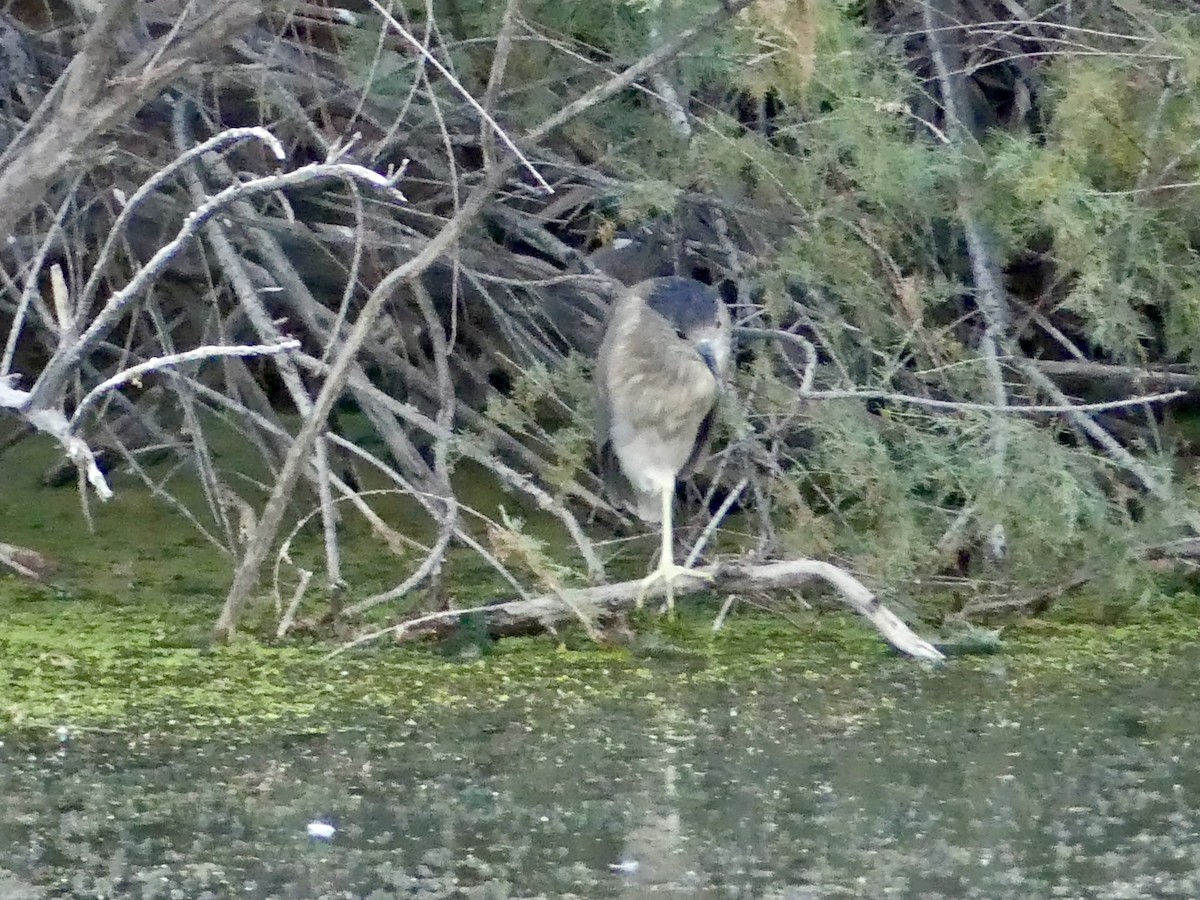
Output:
x,y
667,571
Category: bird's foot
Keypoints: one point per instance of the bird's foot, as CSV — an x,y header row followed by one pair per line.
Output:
x,y
668,572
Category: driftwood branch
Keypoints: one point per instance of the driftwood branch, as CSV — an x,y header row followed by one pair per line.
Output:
x,y
549,610
199,354
54,423
96,94
26,562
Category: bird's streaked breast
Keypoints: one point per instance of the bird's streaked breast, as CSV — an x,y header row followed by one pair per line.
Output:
x,y
659,373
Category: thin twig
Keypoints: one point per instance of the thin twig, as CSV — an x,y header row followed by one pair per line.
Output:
x,y
466,95
136,373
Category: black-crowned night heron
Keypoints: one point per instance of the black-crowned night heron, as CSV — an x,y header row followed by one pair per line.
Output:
x,y
662,364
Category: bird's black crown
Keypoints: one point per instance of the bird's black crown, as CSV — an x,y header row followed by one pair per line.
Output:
x,y
685,303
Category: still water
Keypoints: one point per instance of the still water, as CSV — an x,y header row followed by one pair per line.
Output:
x,y
961,782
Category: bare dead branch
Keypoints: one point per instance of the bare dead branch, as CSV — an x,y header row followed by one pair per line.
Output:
x,y
135,373
524,616
51,381
247,571
55,424
94,96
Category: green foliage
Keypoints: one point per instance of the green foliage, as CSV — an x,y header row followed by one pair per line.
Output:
x,y
646,198
555,409
882,490
877,256
873,255
848,205
866,489
1125,251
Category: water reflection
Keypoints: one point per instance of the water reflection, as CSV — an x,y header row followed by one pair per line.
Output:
x,y
913,784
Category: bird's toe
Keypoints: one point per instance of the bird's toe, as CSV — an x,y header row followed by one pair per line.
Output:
x,y
667,573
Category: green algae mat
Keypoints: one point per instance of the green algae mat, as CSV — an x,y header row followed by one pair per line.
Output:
x,y
776,759
770,761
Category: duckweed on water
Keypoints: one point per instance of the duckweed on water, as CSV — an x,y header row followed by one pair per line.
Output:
x,y
97,662
770,761
122,639
776,758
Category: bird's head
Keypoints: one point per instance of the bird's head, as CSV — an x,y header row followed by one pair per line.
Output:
x,y
696,316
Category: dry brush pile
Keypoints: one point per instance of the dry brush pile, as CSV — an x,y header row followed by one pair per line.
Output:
x,y
963,306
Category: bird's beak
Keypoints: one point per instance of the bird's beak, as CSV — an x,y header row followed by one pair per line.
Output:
x,y
708,353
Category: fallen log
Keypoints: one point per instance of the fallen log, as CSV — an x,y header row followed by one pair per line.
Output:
x,y
549,610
